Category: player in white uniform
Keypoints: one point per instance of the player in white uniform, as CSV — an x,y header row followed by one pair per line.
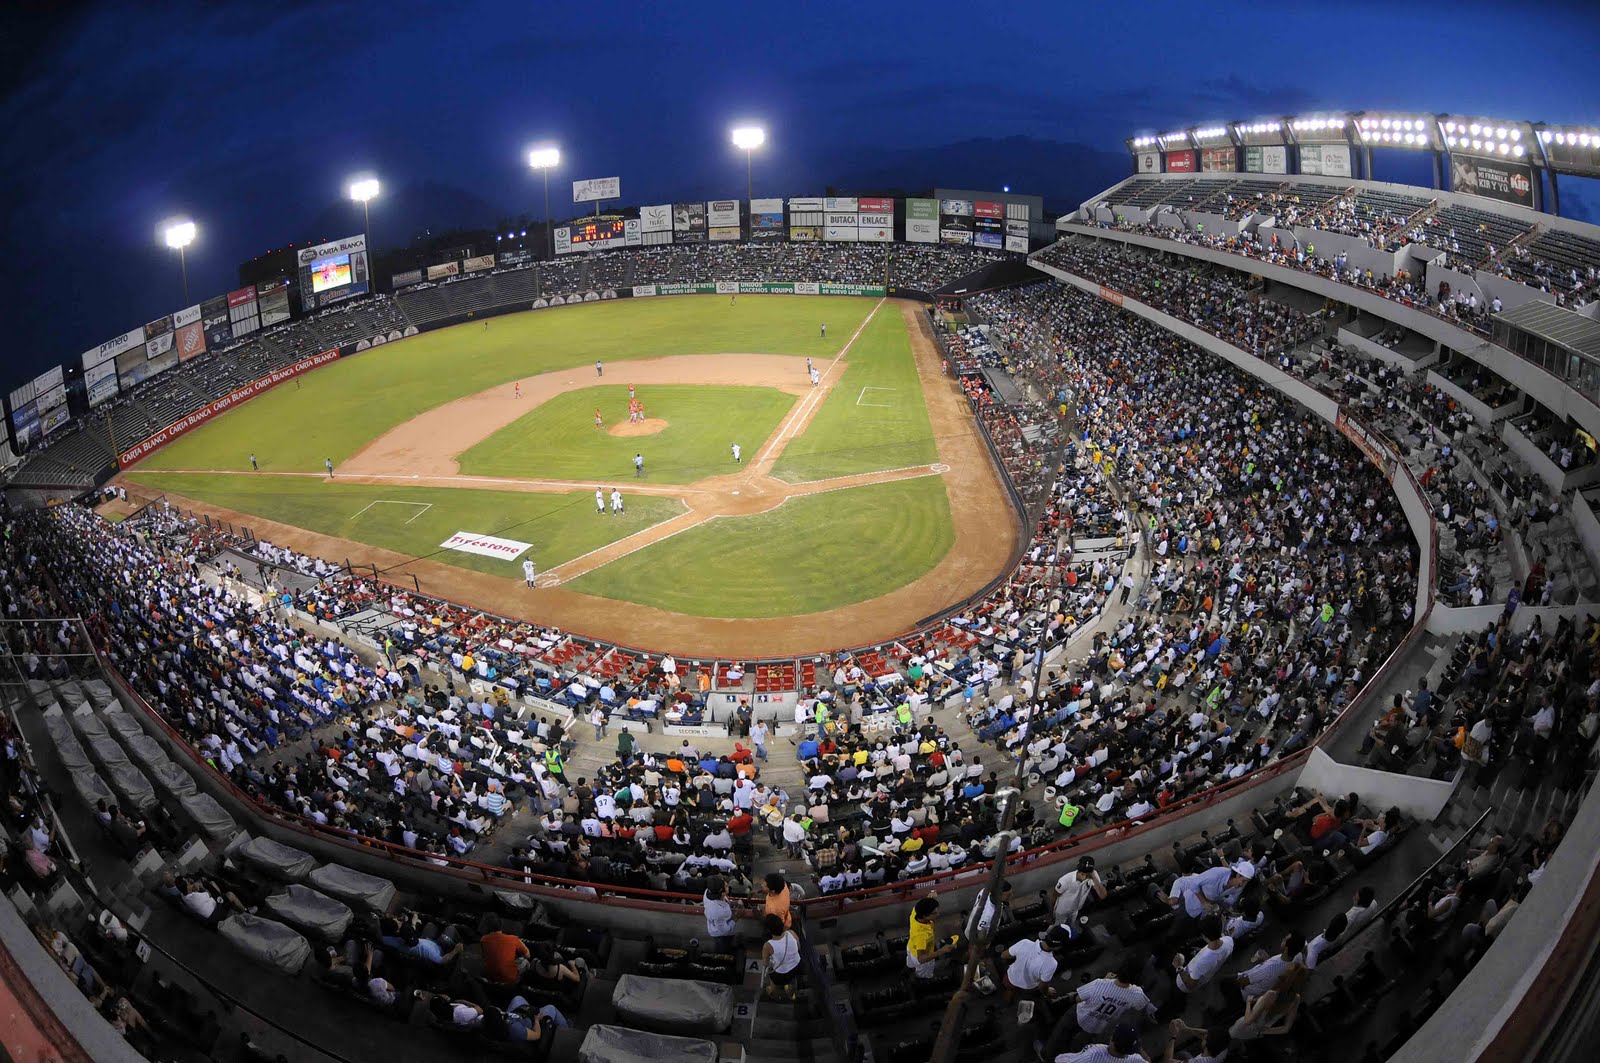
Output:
x,y
736,458
816,378
1101,1006
599,501
528,572
616,501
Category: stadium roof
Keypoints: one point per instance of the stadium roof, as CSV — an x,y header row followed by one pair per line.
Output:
x,y
1555,325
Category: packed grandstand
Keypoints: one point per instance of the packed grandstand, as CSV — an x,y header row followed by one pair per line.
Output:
x,y
1283,712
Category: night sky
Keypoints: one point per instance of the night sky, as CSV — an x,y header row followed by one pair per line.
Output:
x,y
249,117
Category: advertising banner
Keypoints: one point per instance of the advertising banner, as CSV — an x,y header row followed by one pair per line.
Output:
x,y
766,226
48,380
1508,182
875,205
410,276
472,265
766,206
563,238
190,341
631,234
839,221
113,347
725,234
49,400
727,287
994,240
721,213
840,234
50,420
1218,160
842,204
219,330
922,230
1149,162
596,188
158,346
1364,441
956,207
227,402
689,218
23,395
643,291
807,288
142,371
100,383
159,327
806,205
656,219
1275,158
989,210
1018,244
25,422
805,233
1329,160
875,228
685,289
451,269
274,304
955,236
1016,227
486,545
923,209
241,297
1180,161
1110,295
848,289
186,317
349,245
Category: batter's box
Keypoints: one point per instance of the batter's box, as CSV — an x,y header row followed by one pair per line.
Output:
x,y
549,579
861,399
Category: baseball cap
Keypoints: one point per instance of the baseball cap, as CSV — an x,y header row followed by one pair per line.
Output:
x,y
1085,863
1125,1038
1245,869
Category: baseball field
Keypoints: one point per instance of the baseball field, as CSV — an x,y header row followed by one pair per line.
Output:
x,y
776,485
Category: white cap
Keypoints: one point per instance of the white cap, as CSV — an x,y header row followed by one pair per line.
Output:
x,y
1245,869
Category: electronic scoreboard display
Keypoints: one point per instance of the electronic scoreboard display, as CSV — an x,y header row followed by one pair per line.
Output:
x,y
593,231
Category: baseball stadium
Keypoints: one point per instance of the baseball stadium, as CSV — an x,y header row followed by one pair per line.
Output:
x,y
900,625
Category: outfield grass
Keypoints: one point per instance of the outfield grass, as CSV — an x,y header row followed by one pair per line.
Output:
x,y
338,409
560,526
812,553
874,418
557,440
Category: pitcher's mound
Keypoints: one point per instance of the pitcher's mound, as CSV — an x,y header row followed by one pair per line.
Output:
x,y
647,427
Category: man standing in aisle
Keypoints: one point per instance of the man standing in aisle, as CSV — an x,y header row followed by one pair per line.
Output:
x,y
758,738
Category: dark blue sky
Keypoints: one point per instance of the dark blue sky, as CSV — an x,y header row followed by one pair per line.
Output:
x,y
249,117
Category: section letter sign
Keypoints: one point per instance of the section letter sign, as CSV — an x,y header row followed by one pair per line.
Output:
x,y
596,188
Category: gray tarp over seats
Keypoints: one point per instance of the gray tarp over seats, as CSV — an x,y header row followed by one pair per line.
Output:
x,y
266,941
40,689
106,750
68,748
208,816
121,724
173,779
315,913
279,861
91,788
673,1005
618,1044
147,751
88,723
72,696
98,692
130,782
352,887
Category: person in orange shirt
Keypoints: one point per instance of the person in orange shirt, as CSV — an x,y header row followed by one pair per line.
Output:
x,y
775,898
505,956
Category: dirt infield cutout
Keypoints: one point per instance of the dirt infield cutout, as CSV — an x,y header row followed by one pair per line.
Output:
x,y
647,427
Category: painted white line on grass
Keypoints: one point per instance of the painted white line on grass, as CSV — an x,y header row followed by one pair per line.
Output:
x,y
797,418
930,469
425,506
633,550
881,405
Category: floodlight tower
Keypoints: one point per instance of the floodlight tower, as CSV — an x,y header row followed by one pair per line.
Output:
x,y
179,233
363,190
543,159
748,138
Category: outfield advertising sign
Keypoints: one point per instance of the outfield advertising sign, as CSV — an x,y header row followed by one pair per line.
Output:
x,y
486,545
199,417
641,291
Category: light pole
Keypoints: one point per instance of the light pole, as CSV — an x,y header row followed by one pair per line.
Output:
x,y
363,190
748,138
179,234
543,159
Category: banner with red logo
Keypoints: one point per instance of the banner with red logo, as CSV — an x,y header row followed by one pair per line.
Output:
x,y
874,205
1110,295
243,295
989,210
199,417
1509,182
190,341
1180,162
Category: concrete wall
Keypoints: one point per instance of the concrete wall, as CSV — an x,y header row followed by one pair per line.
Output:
x,y
1396,357
1462,620
1418,798
1587,524
1486,286
1358,255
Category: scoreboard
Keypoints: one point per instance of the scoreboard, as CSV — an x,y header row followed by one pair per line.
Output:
x,y
595,231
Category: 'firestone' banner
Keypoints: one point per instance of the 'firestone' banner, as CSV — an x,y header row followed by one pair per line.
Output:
x,y
486,545
227,402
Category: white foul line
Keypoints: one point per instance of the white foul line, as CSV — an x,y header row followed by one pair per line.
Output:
x,y
556,571
798,417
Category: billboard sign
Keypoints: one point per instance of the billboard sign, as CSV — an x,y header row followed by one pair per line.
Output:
x,y
725,233
1508,182
1180,161
410,276
596,188
242,296
1328,160
1149,162
190,340
989,210
1218,160
845,234
956,207
113,347
472,265
451,269
805,233
807,205
843,204
186,317
1018,244
347,246
161,326
689,223
160,345
955,236
721,213
875,205
486,545
100,382
656,219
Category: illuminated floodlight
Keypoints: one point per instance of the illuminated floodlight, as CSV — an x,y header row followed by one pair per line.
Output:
x,y
748,137
1005,188
1516,149
543,158
178,233
1516,134
364,189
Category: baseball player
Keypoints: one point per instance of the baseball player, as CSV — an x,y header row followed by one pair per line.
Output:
x,y
253,466
736,458
599,422
816,378
824,330
638,466
616,501
630,392
808,366
327,463
516,389
599,501
599,368
528,572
